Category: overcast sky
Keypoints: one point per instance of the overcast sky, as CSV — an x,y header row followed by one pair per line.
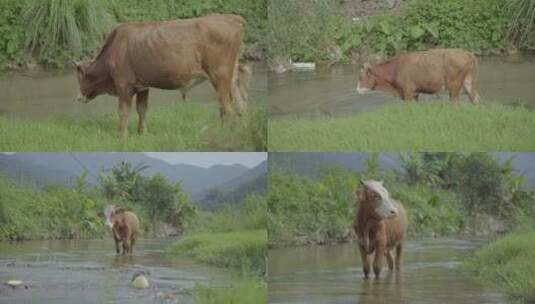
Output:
x,y
208,159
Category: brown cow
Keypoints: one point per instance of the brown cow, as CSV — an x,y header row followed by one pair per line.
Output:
x,y
167,55
380,226
427,72
243,82
124,226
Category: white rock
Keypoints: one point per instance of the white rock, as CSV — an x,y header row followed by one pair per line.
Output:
x,y
304,65
14,283
140,282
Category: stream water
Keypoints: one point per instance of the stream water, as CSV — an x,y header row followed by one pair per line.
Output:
x,y
432,273
89,271
44,94
333,92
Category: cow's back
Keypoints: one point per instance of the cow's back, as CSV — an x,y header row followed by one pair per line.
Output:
x,y
396,227
131,221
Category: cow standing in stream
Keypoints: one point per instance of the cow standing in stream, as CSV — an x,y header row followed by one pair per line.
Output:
x,y
171,55
428,72
380,226
124,226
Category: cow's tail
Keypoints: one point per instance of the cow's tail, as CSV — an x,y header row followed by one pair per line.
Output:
x,y
474,73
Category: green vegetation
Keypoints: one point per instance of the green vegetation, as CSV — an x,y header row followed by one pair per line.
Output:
x,y
444,194
52,32
29,211
418,126
51,213
239,293
317,30
180,127
240,250
236,239
507,264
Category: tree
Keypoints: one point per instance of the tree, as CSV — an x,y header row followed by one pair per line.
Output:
x,y
123,181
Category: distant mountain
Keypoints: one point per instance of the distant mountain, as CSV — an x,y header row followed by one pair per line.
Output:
x,y
312,164
64,168
253,181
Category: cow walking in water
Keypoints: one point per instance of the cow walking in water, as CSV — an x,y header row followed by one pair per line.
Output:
x,y
170,55
427,72
380,225
124,226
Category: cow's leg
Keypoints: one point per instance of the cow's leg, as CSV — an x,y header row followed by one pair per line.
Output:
x,y
455,88
125,246
471,89
142,103
378,259
389,259
399,252
125,104
132,243
223,88
117,248
408,95
365,261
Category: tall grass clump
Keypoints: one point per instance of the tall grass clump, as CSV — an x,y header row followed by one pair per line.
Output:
x,y
522,26
508,264
61,29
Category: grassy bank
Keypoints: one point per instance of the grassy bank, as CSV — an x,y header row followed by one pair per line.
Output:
x,y
436,126
508,264
180,127
239,250
235,239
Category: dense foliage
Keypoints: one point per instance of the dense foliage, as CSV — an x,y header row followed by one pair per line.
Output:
x,y
54,32
317,31
29,212
444,193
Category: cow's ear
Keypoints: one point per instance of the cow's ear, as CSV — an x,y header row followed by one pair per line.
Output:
x,y
361,195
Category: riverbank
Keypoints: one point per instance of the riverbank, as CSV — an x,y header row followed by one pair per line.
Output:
x,y
508,264
234,239
429,126
179,127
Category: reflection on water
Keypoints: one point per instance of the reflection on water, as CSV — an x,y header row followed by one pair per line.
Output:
x,y
333,92
431,273
89,271
38,94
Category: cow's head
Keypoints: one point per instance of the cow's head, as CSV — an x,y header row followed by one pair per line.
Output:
x,y
109,212
367,80
90,85
374,193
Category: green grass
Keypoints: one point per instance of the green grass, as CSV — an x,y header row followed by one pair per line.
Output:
x,y
253,291
243,251
508,264
436,126
180,127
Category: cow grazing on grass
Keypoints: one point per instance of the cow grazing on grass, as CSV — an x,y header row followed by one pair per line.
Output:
x,y
167,55
380,225
427,72
124,226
